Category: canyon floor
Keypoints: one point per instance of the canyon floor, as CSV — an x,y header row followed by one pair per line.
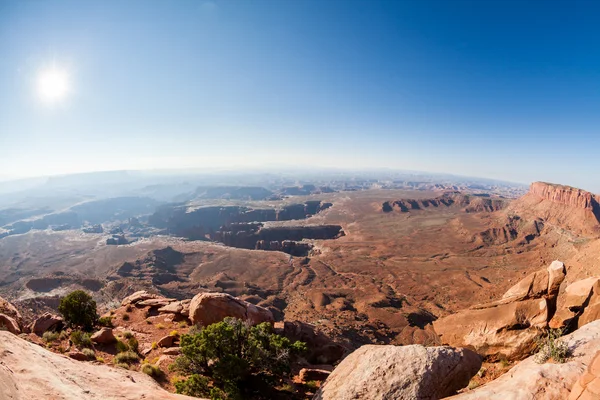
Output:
x,y
384,281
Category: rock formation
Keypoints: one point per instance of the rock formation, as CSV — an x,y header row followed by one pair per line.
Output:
x,y
549,381
10,317
321,349
46,322
507,327
569,208
28,371
400,372
209,308
456,199
588,385
578,305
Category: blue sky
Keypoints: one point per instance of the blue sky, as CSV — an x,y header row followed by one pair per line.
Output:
x,y
499,89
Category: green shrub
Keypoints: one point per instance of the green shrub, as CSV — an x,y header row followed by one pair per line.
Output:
x,y
133,344
79,310
127,335
125,317
105,321
122,365
121,347
50,336
313,385
551,347
151,370
126,357
81,339
63,335
89,353
229,357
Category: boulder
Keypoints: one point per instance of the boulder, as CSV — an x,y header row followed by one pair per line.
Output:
x,y
209,308
158,302
313,374
172,351
164,361
9,324
507,330
137,297
47,322
104,336
78,355
529,380
171,308
166,341
400,372
577,297
10,311
321,349
29,371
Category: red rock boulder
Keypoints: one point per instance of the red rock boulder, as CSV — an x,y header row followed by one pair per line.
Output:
x,y
209,308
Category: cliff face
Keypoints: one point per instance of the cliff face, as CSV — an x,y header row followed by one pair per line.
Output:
x,y
566,195
569,208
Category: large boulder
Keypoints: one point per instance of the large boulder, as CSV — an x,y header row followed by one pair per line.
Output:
x,y
47,322
507,330
9,324
321,349
137,297
104,336
11,317
400,372
578,305
29,371
209,308
507,327
529,380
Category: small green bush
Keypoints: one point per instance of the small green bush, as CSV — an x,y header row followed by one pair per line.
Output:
x,y
89,353
133,344
550,346
122,365
81,339
126,357
121,347
151,370
63,335
50,336
127,335
79,310
105,321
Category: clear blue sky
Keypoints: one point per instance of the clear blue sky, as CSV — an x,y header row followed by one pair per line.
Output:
x,y
501,89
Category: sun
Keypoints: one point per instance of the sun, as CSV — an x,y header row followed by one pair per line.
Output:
x,y
53,85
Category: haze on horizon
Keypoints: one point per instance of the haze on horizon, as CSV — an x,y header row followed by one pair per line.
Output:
x,y
503,90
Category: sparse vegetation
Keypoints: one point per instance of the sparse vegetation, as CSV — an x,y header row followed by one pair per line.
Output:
x,y
151,370
125,317
79,310
122,365
63,335
50,336
121,347
160,326
174,333
105,321
551,347
126,357
133,344
81,339
89,353
313,385
149,322
226,359
182,324
127,335
154,345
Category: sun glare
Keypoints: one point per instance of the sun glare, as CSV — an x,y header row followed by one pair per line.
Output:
x,y
53,85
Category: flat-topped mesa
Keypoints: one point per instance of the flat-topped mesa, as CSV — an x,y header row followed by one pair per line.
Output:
x,y
566,195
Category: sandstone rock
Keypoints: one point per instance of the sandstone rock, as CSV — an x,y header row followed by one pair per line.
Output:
x,y
172,351
146,350
321,349
137,297
164,361
400,372
9,324
313,374
47,322
573,301
556,276
28,371
104,336
208,308
158,302
588,385
77,355
9,310
172,308
507,329
166,341
528,380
